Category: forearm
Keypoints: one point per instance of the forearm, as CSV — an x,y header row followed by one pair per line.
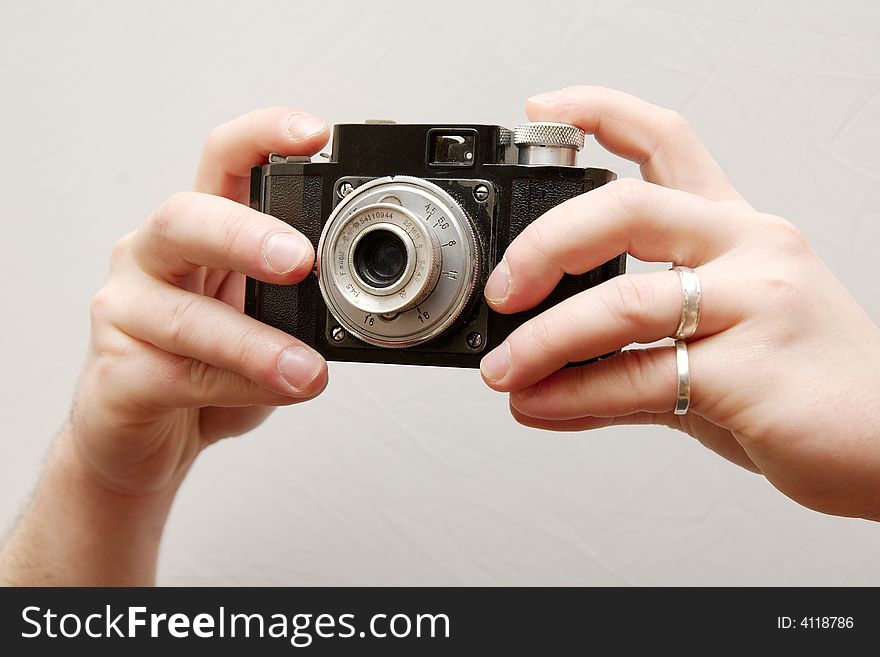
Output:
x,y
76,532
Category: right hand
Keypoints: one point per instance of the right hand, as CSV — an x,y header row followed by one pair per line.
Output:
x,y
784,364
173,364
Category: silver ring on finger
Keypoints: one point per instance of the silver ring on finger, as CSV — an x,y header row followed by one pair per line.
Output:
x,y
691,293
683,397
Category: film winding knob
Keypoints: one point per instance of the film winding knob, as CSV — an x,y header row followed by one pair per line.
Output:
x,y
547,143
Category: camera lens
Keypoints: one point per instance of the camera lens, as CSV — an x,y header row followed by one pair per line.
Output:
x,y
380,258
396,274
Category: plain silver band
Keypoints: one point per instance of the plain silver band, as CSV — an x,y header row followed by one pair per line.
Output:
x,y
691,294
683,400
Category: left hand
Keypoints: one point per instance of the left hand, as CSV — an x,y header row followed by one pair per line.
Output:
x,y
785,365
173,365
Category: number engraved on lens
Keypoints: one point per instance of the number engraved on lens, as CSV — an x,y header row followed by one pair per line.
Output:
x,y
377,259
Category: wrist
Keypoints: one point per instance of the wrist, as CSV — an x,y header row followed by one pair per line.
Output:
x,y
78,531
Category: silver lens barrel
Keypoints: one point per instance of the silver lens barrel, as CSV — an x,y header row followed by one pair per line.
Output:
x,y
421,269
396,280
428,277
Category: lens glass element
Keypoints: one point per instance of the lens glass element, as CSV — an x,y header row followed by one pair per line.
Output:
x,y
380,258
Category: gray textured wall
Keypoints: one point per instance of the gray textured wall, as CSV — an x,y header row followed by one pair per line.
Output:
x,y
410,475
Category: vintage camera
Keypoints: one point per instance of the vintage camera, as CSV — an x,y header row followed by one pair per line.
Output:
x,y
407,223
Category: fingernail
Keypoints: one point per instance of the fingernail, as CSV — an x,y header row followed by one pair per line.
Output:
x,y
498,284
302,126
284,252
496,363
546,97
299,366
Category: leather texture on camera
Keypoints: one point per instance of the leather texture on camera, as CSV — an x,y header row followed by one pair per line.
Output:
x,y
532,197
295,200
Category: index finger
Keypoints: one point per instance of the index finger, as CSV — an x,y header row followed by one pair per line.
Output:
x,y
191,230
660,140
652,223
232,148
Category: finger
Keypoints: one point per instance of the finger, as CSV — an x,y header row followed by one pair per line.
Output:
x,y
633,381
217,423
660,140
174,381
649,222
231,291
583,423
214,333
639,308
192,230
719,440
233,148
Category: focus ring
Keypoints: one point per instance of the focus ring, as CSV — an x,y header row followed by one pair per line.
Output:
x,y
440,287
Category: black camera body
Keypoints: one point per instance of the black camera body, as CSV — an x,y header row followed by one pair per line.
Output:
x,y
408,222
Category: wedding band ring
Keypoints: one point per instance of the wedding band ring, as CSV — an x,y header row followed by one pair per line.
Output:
x,y
691,302
683,399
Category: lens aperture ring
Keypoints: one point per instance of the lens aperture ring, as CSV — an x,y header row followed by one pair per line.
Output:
x,y
422,259
434,286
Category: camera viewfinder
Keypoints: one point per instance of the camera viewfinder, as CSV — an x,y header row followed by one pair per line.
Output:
x,y
452,147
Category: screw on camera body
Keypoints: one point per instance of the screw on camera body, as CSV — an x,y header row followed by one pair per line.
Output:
x,y
474,340
337,333
344,189
481,193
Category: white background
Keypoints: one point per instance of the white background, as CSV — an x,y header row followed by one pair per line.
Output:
x,y
414,475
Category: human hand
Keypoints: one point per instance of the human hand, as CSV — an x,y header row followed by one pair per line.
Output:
x,y
785,365
173,364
